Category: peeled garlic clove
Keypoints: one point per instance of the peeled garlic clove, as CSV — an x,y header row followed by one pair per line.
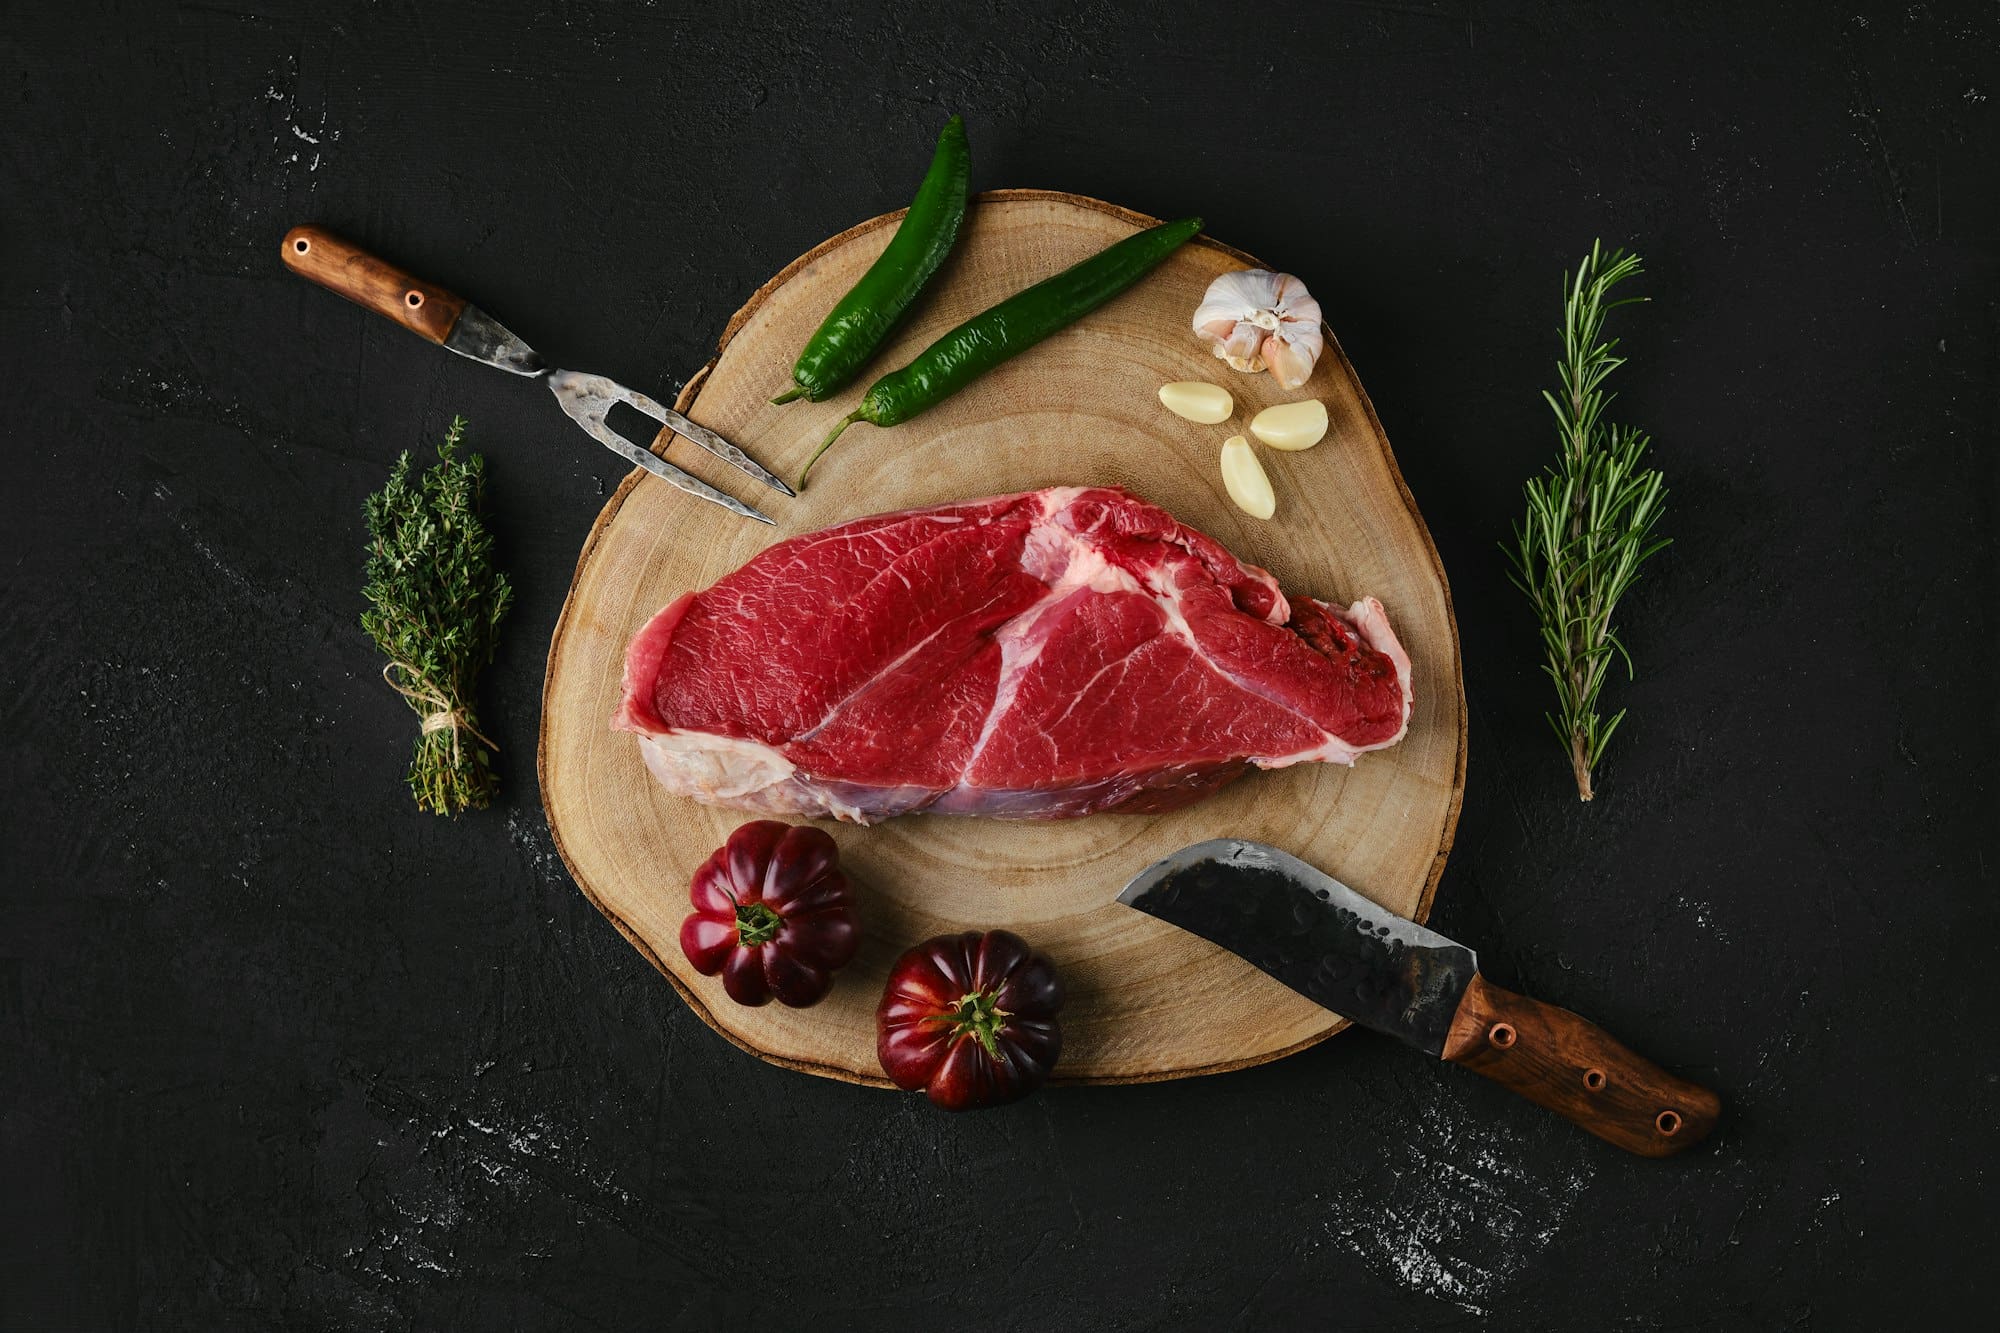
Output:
x,y
1256,319
1206,403
1243,477
1291,426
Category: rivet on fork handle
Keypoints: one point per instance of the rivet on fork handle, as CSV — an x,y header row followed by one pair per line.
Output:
x,y
423,308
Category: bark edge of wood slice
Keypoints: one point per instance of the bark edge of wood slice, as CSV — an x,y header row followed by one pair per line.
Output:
x,y
1146,1001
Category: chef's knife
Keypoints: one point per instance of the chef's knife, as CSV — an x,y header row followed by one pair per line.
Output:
x,y
438,316
1385,972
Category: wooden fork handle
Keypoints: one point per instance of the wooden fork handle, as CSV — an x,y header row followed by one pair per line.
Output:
x,y
421,307
1575,1068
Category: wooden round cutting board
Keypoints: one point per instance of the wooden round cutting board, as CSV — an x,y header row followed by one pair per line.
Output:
x,y
1146,1001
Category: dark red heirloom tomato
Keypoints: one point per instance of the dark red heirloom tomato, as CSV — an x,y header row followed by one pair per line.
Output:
x,y
773,914
970,1019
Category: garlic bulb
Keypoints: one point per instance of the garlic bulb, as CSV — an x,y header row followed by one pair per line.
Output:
x,y
1256,319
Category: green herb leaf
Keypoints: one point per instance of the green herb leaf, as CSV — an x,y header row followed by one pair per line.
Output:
x,y
1590,518
435,603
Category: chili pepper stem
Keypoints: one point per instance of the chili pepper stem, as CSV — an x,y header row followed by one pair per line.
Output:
x,y
827,443
796,391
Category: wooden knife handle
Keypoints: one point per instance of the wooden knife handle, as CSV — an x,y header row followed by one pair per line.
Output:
x,y
1576,1069
421,307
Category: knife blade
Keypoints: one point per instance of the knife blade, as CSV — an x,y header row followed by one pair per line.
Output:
x,y
1389,974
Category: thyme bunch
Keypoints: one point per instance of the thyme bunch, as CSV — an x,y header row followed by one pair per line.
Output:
x,y
1590,518
435,603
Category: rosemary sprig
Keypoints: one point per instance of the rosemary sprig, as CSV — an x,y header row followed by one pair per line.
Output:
x,y
1590,518
436,601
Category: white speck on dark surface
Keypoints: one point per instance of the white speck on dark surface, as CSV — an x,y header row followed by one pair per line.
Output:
x,y
529,832
1469,1207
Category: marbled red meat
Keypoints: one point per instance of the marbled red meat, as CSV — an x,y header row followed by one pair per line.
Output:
x,y
1042,655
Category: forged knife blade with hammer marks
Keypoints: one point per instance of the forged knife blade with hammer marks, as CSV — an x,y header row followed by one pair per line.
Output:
x,y
432,313
1386,972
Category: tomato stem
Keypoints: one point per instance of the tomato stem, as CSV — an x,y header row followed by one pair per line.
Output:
x,y
980,1014
756,924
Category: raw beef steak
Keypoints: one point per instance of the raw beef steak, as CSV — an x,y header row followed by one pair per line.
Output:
x,y
1031,656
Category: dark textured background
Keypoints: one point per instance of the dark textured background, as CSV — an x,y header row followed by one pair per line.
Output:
x,y
276,1051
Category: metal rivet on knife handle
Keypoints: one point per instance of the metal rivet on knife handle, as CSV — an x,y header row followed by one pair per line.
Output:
x,y
1578,1070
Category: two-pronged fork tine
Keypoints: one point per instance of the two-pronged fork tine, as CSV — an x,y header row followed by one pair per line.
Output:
x,y
707,439
587,398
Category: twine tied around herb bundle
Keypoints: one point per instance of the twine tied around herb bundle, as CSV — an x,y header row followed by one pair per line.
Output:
x,y
444,715
436,597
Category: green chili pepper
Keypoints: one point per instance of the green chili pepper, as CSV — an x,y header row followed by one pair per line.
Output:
x,y
858,324
1015,325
